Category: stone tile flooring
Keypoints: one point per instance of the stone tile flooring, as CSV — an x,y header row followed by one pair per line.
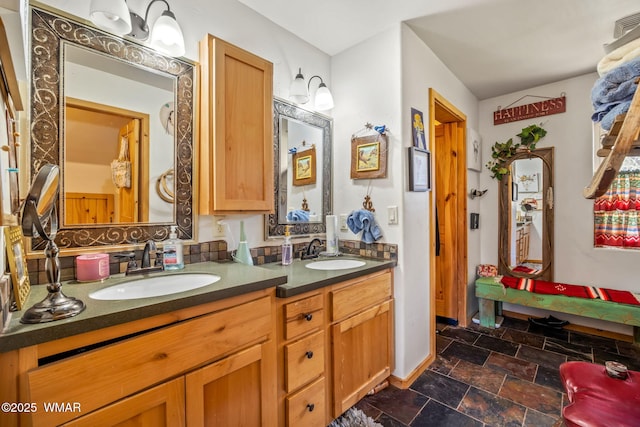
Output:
x,y
494,377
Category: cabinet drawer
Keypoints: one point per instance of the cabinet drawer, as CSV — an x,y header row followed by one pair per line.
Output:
x,y
104,375
307,407
304,360
302,316
361,294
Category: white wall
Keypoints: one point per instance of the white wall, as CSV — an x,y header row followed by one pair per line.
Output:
x,y
570,133
378,81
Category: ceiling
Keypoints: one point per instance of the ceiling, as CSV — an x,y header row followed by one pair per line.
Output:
x,y
494,47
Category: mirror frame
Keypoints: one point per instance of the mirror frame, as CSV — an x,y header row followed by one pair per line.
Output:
x,y
49,31
282,108
546,273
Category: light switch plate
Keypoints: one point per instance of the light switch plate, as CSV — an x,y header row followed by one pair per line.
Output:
x,y
392,212
343,222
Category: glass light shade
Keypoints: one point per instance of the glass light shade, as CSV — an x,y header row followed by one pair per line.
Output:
x,y
166,35
324,100
298,92
111,15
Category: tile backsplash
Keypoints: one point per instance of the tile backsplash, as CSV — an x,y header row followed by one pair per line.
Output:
x,y
215,251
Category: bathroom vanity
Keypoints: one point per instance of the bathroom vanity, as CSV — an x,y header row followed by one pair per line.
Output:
x,y
261,346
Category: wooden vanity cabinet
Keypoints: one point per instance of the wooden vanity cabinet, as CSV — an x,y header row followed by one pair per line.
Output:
x,y
236,129
302,360
208,365
348,327
361,313
522,243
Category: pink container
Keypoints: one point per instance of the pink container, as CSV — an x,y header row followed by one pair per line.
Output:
x,y
92,267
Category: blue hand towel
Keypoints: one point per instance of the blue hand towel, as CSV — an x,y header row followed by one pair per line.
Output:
x,y
298,215
363,220
616,87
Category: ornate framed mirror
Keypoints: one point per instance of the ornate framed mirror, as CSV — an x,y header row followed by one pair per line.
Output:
x,y
526,216
78,70
302,198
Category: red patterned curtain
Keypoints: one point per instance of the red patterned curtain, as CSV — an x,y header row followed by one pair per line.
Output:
x,y
616,213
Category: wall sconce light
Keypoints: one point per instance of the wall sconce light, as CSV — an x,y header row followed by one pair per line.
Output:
x,y
299,92
114,16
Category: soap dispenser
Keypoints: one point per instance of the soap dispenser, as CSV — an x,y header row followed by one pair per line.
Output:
x,y
173,254
287,247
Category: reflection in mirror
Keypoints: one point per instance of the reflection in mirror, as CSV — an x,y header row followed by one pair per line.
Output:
x,y
526,216
77,68
302,192
120,125
299,177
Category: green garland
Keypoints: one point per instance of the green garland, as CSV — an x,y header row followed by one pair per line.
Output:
x,y
502,152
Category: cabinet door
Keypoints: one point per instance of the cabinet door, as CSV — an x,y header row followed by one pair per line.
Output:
x,y
162,405
233,391
362,355
236,135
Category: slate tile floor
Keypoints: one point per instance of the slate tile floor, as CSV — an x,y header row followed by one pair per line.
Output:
x,y
494,377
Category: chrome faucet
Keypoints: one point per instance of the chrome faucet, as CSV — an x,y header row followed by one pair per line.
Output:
x,y
311,251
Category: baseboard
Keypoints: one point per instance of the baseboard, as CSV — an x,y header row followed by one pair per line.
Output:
x,y
578,328
404,383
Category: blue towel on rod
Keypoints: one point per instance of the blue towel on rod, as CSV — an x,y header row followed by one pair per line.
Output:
x,y
363,220
614,90
298,215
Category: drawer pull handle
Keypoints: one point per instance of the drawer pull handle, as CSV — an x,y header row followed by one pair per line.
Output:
x,y
311,407
308,317
309,354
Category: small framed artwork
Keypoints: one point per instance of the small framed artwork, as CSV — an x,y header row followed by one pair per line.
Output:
x,y
304,167
419,169
417,129
474,151
369,157
17,264
514,191
529,183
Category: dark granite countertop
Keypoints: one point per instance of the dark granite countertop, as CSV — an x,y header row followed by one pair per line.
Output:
x,y
301,279
236,279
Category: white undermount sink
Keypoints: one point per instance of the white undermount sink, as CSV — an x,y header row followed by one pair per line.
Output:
x,y
335,264
155,286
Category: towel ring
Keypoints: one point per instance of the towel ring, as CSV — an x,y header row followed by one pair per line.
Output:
x,y
163,189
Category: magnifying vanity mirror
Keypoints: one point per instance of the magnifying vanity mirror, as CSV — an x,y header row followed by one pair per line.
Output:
x,y
526,216
117,117
302,170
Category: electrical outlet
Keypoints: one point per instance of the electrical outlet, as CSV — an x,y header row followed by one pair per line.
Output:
x,y
219,227
343,222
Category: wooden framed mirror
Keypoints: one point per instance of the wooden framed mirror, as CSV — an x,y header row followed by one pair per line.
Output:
x,y
76,65
526,216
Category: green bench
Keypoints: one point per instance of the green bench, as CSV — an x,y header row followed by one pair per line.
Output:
x,y
490,292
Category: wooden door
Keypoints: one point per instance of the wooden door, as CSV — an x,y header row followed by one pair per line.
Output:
x,y
446,170
128,198
232,392
162,405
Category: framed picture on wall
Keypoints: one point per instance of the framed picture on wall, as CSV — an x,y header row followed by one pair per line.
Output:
x,y
417,129
474,151
369,157
419,169
304,167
